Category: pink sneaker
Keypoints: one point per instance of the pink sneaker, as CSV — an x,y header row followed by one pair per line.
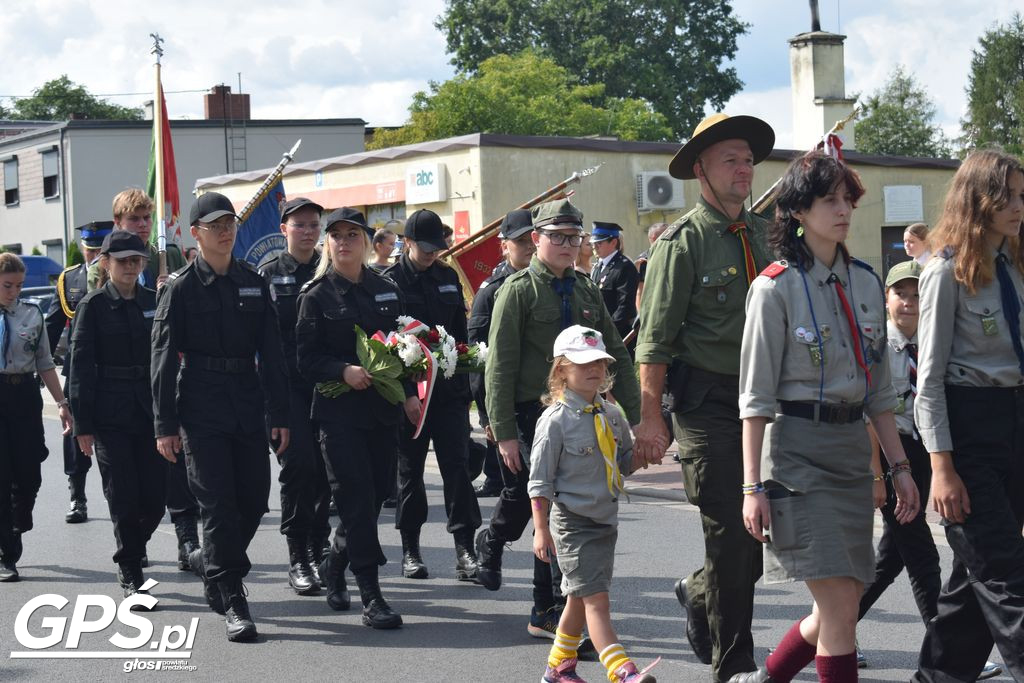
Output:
x,y
563,673
627,673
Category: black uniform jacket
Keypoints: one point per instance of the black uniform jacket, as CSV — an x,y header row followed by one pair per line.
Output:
x,y
330,307
479,327
219,325
434,297
618,282
109,386
73,285
285,277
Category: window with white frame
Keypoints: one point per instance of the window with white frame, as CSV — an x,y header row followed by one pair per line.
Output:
x,y
51,175
11,181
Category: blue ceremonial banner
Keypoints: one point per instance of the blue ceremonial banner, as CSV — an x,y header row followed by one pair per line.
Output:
x,y
259,237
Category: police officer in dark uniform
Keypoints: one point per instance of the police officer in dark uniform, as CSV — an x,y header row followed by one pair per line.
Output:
x,y
433,296
615,275
517,244
216,313
305,495
112,399
72,286
357,428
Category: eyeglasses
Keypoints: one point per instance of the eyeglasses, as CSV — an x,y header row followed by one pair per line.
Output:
x,y
219,226
309,227
560,238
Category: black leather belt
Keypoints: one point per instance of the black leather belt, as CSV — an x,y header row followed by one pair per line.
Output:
x,y
122,371
236,366
16,378
823,412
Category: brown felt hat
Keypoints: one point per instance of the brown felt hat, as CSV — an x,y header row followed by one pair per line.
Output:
x,y
716,128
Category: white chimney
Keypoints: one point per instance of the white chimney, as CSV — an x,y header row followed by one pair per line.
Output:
x,y
819,88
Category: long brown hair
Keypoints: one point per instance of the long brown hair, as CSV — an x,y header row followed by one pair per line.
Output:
x,y
980,187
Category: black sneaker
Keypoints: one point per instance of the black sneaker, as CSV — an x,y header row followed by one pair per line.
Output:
x,y
544,624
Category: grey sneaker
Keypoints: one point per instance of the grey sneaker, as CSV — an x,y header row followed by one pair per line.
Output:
x,y
989,670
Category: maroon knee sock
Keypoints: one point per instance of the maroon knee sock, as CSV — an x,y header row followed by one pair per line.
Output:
x,y
791,656
838,669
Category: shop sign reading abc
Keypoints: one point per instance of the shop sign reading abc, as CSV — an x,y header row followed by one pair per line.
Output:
x,y
175,643
425,183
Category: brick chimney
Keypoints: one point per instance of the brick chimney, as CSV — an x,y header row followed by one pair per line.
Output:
x,y
220,103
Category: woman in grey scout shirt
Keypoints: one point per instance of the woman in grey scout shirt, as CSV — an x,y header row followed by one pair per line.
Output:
x,y
813,361
970,412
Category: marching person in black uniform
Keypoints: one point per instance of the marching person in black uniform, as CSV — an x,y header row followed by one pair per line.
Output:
x,y
433,296
517,243
615,275
305,495
216,314
72,286
357,428
112,399
23,353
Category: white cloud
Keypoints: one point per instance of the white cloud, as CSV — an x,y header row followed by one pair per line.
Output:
x,y
774,106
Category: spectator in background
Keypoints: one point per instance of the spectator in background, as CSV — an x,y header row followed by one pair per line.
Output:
x,y
653,233
915,243
383,245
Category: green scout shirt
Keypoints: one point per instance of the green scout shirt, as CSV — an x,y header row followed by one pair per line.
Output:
x,y
526,320
695,291
175,261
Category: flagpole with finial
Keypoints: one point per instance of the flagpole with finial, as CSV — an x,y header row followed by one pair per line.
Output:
x,y
158,157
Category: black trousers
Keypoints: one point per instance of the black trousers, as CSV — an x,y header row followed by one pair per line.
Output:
x,y
983,599
75,461
230,477
22,451
360,467
447,424
181,503
708,429
512,511
492,468
305,494
908,545
134,482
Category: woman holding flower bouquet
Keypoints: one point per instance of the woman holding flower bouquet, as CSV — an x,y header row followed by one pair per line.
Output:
x,y
357,426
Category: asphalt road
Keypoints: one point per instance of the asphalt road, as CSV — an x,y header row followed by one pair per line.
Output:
x,y
453,631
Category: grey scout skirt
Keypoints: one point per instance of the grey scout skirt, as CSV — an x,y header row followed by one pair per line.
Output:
x,y
828,466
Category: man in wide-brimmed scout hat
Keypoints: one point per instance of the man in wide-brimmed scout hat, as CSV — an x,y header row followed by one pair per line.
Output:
x,y
692,319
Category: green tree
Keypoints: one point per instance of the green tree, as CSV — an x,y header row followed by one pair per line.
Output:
x,y
670,53
74,255
525,94
59,99
995,89
898,120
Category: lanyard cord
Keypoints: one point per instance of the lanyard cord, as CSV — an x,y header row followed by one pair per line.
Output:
x,y
817,332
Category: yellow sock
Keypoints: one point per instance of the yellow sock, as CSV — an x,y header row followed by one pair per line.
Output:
x,y
564,648
613,657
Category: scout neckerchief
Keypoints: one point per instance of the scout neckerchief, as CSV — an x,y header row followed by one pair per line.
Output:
x,y
740,230
563,287
606,442
851,320
1011,306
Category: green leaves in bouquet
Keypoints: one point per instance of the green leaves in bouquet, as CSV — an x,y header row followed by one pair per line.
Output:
x,y
385,368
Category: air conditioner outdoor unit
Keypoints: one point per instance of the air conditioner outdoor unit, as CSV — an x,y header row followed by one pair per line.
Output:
x,y
658,191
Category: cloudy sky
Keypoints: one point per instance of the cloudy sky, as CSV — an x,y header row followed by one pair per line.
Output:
x,y
347,58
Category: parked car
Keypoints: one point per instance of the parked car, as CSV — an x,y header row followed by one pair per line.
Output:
x,y
40,271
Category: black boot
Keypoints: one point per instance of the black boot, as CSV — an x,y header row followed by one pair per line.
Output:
x,y
300,574
188,539
316,550
129,575
412,561
332,569
78,512
488,559
10,553
376,611
240,627
759,676
465,558
210,590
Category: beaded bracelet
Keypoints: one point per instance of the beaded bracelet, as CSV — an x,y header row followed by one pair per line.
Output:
x,y
752,488
901,466
878,477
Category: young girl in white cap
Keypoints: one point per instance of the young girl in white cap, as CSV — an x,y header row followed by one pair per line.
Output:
x,y
580,452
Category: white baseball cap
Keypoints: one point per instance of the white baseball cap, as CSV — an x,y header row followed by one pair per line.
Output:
x,y
581,345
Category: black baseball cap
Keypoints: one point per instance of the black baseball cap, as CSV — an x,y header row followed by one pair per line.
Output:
x,y
424,227
293,205
209,207
515,223
122,244
347,215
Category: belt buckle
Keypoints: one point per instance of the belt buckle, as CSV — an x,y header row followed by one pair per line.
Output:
x,y
841,414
